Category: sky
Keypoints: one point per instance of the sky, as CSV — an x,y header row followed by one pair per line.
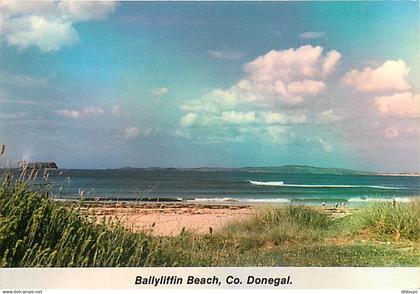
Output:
x,y
227,84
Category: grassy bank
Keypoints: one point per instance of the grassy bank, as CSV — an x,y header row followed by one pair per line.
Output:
x,y
36,231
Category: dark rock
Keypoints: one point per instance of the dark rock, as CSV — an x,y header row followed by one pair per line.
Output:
x,y
42,165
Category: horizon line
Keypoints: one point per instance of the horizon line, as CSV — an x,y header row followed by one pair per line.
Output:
x,y
240,167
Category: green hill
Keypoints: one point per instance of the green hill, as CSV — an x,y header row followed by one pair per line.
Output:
x,y
289,169
303,169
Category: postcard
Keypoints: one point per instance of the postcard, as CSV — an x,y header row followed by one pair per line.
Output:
x,y
209,145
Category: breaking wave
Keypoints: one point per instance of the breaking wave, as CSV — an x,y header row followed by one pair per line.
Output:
x,y
282,184
267,183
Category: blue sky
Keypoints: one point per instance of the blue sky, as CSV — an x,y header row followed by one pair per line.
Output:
x,y
105,84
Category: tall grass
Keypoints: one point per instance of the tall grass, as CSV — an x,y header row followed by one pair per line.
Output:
x,y
272,226
36,231
401,221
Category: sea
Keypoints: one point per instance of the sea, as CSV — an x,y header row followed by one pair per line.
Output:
x,y
228,186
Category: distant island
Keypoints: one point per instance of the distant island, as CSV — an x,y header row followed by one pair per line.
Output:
x,y
290,169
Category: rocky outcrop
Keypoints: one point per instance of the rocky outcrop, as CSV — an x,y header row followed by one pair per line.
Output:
x,y
40,165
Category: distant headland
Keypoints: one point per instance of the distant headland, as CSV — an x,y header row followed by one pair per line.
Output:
x,y
291,169
38,165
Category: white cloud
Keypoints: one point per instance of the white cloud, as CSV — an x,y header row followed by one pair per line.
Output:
x,y
278,79
87,10
92,110
277,134
391,76
21,80
273,134
330,62
188,119
213,101
311,35
159,91
87,111
15,8
131,132
241,118
404,104
325,145
15,115
288,75
46,34
74,114
283,119
134,132
226,54
116,110
235,117
329,116
306,87
47,25
183,133
291,64
391,132
401,131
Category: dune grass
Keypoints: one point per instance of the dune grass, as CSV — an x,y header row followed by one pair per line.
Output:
x,y
302,236
36,231
387,221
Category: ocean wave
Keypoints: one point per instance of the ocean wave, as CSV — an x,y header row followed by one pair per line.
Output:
x,y
267,183
397,199
282,184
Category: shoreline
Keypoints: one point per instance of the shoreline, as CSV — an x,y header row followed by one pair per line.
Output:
x,y
170,218
351,202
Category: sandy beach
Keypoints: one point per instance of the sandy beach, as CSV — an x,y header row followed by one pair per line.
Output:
x,y
169,219
266,235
